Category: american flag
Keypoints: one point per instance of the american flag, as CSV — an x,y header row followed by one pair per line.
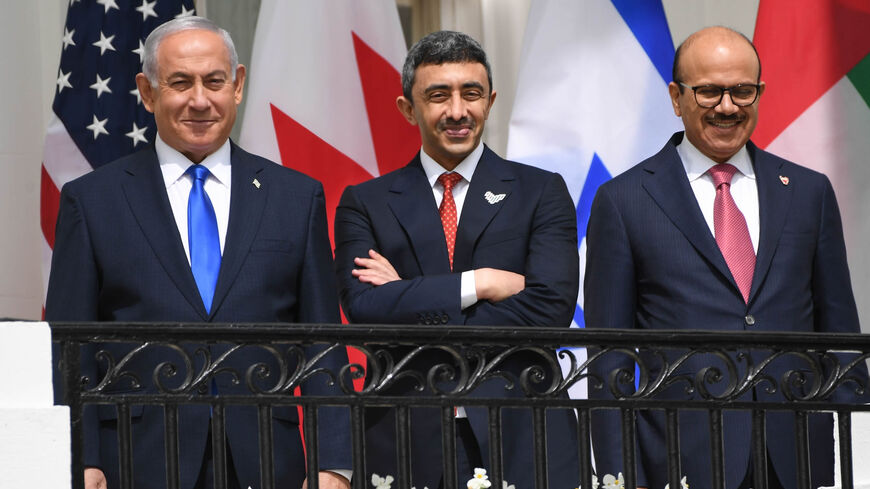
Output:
x,y
98,114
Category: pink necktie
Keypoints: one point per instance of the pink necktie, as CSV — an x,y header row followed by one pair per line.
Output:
x,y
448,211
732,234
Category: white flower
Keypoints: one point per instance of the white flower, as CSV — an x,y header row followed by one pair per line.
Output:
x,y
504,485
479,481
683,484
610,482
382,482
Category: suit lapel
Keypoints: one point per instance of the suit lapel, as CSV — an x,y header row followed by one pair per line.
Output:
x,y
419,217
146,195
774,199
493,176
667,184
247,202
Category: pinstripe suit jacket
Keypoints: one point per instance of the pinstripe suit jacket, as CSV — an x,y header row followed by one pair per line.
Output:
x,y
652,263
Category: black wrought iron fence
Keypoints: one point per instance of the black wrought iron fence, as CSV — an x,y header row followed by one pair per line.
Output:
x,y
627,372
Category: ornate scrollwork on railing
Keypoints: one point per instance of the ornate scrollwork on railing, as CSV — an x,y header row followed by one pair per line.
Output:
x,y
464,369
456,369
720,374
285,369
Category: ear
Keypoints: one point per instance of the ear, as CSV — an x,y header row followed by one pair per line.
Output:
x,y
146,91
407,109
239,84
674,91
761,86
491,102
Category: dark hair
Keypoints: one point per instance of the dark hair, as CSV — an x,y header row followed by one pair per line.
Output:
x,y
676,74
439,48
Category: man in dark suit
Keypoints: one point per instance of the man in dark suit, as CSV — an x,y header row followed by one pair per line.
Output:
x,y
512,259
714,233
135,242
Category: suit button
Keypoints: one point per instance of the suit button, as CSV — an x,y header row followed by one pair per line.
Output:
x,y
444,318
749,320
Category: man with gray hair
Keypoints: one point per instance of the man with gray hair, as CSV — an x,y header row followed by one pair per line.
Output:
x,y
461,236
195,229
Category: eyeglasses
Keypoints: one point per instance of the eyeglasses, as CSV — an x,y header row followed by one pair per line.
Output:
x,y
709,96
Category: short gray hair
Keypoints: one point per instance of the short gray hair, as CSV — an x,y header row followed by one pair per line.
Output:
x,y
442,47
149,56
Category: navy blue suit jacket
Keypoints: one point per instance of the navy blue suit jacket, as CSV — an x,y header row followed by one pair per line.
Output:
x,y
652,263
118,257
532,231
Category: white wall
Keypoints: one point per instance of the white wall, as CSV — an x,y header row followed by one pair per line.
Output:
x,y
30,34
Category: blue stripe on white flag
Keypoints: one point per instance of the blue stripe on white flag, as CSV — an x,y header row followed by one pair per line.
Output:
x,y
648,23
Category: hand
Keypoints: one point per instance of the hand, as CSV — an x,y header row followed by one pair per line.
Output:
x,y
375,270
95,479
497,285
329,480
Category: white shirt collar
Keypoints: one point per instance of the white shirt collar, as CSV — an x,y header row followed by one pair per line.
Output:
x,y
173,164
697,163
465,168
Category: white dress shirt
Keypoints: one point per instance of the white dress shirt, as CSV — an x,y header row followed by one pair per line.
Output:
x,y
173,165
744,190
468,289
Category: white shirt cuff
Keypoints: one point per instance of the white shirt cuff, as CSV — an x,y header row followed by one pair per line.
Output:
x,y
346,473
468,290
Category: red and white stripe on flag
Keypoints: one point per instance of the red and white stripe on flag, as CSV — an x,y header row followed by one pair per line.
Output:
x,y
98,114
324,78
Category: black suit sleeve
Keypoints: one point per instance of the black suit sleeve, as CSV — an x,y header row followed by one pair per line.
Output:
x,y
834,308
318,302
73,295
422,299
609,301
551,268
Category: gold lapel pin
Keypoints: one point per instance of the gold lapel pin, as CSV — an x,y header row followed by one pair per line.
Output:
x,y
257,182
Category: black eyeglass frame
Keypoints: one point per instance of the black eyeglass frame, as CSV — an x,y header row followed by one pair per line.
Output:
x,y
722,93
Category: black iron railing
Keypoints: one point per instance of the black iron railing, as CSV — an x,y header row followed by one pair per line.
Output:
x,y
740,362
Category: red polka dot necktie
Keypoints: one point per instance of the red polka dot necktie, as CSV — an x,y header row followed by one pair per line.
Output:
x,y
732,233
448,211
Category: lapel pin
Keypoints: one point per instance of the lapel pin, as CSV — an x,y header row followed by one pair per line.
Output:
x,y
257,182
493,198
783,179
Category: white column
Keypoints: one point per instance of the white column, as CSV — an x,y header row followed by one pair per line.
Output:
x,y
35,434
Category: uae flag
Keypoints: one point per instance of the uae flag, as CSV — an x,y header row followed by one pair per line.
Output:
x,y
815,110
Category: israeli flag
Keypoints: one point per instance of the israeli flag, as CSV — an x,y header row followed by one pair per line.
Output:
x,y
592,98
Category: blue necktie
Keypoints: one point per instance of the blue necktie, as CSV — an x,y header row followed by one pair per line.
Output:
x,y
202,236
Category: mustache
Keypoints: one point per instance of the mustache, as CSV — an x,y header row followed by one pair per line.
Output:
x,y
726,117
453,123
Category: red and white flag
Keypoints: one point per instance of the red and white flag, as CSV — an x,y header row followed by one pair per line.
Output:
x,y
323,81
815,110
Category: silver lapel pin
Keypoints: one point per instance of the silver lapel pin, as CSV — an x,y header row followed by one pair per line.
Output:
x,y
493,198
